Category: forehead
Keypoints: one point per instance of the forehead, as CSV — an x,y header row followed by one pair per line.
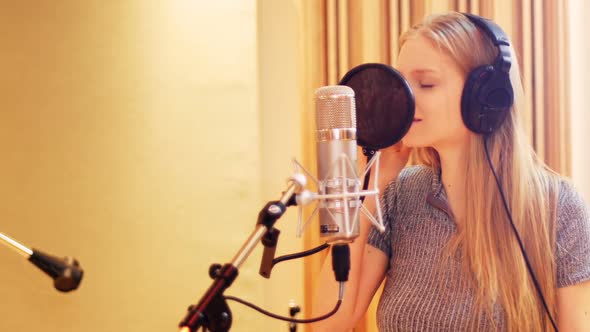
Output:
x,y
420,53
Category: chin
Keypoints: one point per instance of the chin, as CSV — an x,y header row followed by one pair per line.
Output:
x,y
413,141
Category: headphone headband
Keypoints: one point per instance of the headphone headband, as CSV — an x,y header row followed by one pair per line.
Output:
x,y
498,37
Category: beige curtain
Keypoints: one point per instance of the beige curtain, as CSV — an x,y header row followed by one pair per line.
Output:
x,y
340,34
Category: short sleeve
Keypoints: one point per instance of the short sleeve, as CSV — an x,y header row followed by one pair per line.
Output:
x,y
382,241
573,237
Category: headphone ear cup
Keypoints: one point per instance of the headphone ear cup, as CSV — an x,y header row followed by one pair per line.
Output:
x,y
486,99
471,109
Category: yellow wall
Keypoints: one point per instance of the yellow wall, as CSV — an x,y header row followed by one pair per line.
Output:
x,y
281,123
143,138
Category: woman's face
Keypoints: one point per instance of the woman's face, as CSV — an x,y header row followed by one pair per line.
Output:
x,y
437,83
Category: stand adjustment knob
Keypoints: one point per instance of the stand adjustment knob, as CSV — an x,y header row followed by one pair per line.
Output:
x,y
214,270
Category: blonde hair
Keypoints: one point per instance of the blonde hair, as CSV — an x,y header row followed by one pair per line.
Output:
x,y
490,251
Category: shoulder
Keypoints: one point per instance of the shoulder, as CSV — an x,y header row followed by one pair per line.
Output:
x,y
413,181
573,236
416,173
419,177
573,215
570,202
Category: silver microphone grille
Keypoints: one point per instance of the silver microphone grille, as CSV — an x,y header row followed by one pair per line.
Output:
x,y
335,107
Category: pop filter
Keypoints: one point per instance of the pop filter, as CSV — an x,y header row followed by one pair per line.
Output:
x,y
384,105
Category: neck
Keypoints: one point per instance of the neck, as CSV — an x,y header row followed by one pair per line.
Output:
x,y
453,170
453,166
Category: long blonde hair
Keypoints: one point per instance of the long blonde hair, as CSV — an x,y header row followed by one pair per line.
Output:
x,y
490,251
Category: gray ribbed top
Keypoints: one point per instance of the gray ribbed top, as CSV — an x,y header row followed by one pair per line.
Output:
x,y
421,296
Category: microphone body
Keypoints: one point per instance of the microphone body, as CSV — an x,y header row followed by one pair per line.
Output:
x,y
337,156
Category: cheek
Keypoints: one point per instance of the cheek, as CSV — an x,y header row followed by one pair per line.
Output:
x,y
454,119
441,120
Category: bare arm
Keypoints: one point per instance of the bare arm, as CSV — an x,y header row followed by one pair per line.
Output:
x,y
368,264
573,308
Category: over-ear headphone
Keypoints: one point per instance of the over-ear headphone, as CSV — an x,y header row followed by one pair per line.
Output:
x,y
485,103
487,95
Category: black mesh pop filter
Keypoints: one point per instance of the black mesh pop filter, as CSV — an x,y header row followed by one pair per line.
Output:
x,y
384,104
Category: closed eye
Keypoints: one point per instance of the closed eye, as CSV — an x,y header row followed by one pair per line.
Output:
x,y
426,86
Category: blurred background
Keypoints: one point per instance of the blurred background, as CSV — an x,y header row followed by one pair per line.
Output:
x,y
143,137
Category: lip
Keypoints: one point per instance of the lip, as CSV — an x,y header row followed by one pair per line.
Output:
x,y
417,120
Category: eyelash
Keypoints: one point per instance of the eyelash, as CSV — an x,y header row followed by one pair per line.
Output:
x,y
426,86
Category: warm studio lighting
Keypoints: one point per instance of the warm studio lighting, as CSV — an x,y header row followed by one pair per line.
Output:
x,y
144,139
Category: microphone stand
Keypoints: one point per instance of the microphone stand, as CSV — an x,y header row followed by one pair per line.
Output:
x,y
66,273
212,312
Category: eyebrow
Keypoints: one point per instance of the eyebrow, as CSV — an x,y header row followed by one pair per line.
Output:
x,y
425,70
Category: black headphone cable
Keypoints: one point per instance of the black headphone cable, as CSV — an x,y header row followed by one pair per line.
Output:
x,y
520,244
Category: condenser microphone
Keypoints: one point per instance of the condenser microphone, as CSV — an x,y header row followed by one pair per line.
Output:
x,y
338,182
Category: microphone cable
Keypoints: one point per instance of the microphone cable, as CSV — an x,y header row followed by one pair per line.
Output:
x,y
289,319
520,244
299,254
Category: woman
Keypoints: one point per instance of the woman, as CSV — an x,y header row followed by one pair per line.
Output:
x,y
449,257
